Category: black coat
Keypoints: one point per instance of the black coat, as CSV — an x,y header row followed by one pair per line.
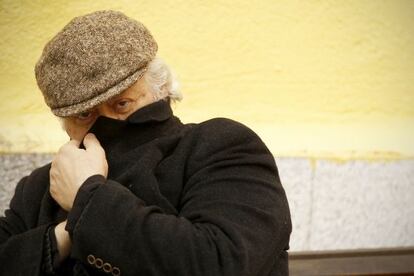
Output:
x,y
195,199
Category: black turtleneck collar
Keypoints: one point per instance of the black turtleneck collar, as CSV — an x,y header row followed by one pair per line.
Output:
x,y
145,124
155,112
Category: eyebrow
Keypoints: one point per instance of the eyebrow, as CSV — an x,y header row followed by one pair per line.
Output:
x,y
132,94
117,97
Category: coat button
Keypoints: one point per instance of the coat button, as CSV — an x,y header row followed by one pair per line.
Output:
x,y
107,267
91,259
116,271
98,263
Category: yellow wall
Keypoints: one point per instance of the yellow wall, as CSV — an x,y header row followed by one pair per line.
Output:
x,y
314,78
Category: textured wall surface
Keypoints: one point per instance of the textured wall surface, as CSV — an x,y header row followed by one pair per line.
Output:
x,y
334,205
349,205
13,168
313,78
328,85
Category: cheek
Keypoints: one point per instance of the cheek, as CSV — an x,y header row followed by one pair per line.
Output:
x,y
147,98
142,101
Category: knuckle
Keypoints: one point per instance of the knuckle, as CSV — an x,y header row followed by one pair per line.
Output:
x,y
52,192
54,160
53,170
60,152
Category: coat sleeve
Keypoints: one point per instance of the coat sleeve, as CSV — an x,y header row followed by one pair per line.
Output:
x,y
21,248
233,216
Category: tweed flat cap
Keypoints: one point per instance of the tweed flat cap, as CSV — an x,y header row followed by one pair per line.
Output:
x,y
93,58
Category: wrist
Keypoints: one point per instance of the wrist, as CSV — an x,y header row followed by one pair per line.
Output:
x,y
62,240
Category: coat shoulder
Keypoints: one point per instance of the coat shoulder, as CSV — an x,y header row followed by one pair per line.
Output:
x,y
224,127
28,195
223,132
36,184
39,176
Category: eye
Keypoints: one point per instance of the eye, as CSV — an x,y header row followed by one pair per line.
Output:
x,y
122,105
84,115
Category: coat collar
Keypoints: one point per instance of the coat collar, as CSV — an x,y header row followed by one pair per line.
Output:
x,y
154,112
146,124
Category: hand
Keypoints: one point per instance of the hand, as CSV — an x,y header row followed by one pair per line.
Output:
x,y
63,241
72,166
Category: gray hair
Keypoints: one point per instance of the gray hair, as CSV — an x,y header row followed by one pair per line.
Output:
x,y
161,81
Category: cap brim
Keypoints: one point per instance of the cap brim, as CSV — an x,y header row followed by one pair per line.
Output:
x,y
91,103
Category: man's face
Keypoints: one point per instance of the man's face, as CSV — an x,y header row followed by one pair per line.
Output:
x,y
118,107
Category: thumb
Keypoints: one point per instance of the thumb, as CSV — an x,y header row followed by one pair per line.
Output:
x,y
74,142
91,143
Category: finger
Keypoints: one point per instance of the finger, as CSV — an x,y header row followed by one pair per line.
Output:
x,y
52,182
91,143
74,142
69,146
53,171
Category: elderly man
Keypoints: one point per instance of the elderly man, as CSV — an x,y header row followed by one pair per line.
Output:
x,y
135,191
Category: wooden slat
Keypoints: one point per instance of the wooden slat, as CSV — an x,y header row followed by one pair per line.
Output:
x,y
385,261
